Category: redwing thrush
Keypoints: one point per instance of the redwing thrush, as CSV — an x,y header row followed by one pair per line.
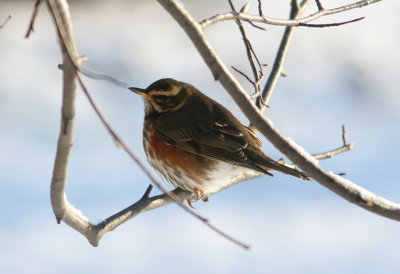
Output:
x,y
197,144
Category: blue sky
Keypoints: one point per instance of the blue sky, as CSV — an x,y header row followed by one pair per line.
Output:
x,y
346,75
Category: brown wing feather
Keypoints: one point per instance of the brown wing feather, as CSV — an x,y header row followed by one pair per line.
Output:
x,y
208,129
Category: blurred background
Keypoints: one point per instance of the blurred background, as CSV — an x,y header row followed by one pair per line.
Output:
x,y
342,75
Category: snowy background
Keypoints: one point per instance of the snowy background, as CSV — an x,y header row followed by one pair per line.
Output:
x,y
345,75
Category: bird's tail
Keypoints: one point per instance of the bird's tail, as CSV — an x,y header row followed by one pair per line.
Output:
x,y
268,164
287,170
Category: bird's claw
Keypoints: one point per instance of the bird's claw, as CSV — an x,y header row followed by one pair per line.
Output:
x,y
197,194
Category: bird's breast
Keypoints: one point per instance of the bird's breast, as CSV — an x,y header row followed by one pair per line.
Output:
x,y
187,170
172,162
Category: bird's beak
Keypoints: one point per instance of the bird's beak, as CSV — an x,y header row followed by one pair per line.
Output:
x,y
139,91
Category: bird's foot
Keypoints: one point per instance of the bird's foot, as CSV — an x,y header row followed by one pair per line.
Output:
x,y
197,194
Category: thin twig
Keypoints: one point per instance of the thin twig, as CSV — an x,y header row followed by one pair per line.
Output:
x,y
98,76
251,55
146,195
330,24
103,77
328,154
246,45
344,135
331,153
256,94
260,76
283,22
260,12
255,26
6,21
277,67
247,78
32,21
319,5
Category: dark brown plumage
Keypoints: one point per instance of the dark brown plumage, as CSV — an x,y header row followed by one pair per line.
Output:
x,y
196,143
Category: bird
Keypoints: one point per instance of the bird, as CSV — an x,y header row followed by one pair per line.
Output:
x,y
198,145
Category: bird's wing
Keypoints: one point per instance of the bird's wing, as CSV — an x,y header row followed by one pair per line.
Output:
x,y
213,133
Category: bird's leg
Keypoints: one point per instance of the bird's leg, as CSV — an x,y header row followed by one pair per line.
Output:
x,y
198,194
190,203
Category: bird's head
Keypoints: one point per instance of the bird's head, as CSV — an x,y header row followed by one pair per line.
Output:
x,y
164,95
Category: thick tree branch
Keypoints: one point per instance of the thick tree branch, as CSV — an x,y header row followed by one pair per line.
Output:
x,y
61,207
344,188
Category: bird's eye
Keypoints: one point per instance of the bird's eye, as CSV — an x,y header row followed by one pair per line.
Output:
x,y
161,97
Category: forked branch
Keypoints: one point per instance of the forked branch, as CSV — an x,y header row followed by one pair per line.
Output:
x,y
277,68
344,188
331,153
283,22
63,210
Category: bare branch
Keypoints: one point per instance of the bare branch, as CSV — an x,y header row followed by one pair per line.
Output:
x,y
63,210
246,44
104,77
277,68
260,75
344,188
33,18
330,24
260,12
344,135
6,21
256,26
331,153
98,76
282,22
146,203
295,8
319,5
256,94
247,78
251,55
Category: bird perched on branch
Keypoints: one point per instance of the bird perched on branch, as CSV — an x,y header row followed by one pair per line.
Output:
x,y
196,144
